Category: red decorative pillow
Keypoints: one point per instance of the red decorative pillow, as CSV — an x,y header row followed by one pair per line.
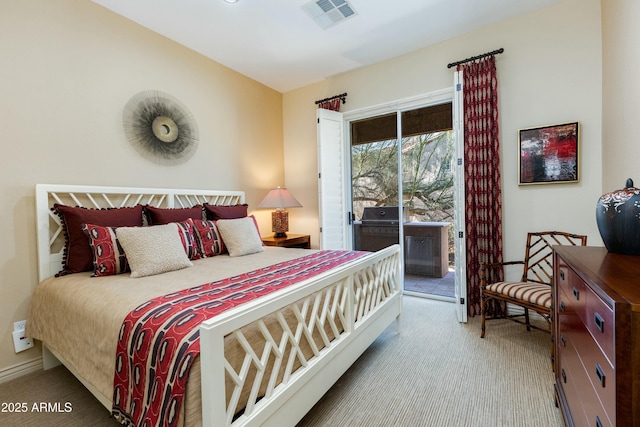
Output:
x,y
158,216
77,254
108,256
188,236
209,239
214,212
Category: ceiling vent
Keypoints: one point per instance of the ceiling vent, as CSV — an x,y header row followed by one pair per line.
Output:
x,y
327,13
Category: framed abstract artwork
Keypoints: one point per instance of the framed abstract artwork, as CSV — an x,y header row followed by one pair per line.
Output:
x,y
549,154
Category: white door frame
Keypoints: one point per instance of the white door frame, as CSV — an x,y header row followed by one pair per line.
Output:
x,y
432,98
458,201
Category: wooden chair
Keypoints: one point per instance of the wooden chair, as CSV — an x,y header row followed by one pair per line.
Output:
x,y
533,291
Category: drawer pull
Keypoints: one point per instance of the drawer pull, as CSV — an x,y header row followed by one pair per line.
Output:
x,y
562,306
576,293
598,422
564,341
599,322
600,374
564,377
562,274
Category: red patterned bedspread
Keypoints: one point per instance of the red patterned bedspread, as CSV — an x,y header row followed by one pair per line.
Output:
x,y
159,340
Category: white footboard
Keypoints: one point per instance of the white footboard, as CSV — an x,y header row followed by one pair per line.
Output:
x,y
345,310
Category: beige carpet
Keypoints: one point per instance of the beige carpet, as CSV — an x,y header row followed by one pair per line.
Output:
x,y
436,372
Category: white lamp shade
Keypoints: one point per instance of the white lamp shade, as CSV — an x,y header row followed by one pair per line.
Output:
x,y
279,198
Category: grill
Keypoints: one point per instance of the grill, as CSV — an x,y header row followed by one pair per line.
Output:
x,y
378,229
425,243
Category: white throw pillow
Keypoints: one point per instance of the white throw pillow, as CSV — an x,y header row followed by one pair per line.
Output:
x,y
240,236
153,250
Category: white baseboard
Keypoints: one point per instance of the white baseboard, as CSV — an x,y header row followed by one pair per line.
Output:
x,y
20,370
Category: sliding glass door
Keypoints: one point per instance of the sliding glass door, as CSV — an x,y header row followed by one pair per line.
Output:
x,y
402,189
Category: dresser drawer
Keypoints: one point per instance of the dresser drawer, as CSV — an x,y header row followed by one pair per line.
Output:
x,y
596,417
569,364
569,324
600,322
600,373
584,365
574,288
562,278
581,395
567,383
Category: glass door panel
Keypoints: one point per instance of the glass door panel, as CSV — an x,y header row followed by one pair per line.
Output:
x,y
374,179
374,163
423,148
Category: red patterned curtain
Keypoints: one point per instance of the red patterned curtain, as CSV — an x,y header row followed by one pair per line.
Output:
x,y
483,204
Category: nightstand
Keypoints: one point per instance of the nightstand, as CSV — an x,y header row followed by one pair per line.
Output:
x,y
291,241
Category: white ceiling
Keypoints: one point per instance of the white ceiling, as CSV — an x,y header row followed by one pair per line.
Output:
x,y
277,43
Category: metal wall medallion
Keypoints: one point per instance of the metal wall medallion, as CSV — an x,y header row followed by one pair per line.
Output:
x,y
160,127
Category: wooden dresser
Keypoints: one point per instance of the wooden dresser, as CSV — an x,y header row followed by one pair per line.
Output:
x,y
597,336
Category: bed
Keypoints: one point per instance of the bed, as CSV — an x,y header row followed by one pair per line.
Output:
x,y
264,362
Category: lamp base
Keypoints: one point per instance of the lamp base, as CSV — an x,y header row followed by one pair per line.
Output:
x,y
280,223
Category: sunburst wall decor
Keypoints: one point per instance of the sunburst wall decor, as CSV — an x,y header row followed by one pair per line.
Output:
x,y
160,127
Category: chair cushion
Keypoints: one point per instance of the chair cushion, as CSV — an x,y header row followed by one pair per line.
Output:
x,y
535,293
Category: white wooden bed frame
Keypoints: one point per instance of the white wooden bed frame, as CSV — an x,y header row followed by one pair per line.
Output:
x,y
364,296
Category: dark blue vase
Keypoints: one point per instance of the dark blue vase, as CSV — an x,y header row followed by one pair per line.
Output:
x,y
618,217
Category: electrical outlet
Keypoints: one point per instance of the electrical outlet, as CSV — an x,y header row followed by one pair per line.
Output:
x,y
20,325
20,342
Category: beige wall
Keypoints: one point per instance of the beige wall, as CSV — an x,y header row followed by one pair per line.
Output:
x,y
68,69
550,73
621,88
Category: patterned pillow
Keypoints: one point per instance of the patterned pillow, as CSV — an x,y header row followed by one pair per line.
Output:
x,y
188,236
108,256
77,254
209,240
158,216
153,250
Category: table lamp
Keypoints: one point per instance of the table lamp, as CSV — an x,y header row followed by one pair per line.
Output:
x,y
280,199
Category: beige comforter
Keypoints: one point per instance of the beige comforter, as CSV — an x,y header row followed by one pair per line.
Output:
x,y
78,316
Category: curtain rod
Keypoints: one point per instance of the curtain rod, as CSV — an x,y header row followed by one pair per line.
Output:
x,y
473,58
342,96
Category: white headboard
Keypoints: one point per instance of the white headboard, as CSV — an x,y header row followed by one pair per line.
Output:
x,y
49,231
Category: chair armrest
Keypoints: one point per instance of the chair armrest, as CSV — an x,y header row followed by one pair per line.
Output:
x,y
485,267
499,264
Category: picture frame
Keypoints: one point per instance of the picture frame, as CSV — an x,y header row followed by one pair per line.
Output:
x,y
549,154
